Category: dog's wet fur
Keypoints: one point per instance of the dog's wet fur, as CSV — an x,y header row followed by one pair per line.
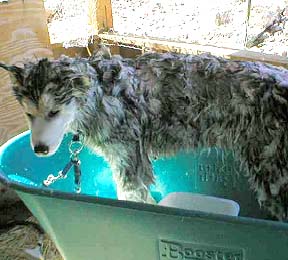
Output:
x,y
133,110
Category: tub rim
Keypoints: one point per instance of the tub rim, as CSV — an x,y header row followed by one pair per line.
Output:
x,y
50,193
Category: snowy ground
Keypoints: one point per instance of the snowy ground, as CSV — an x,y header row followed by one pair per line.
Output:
x,y
262,13
221,23
68,22
183,20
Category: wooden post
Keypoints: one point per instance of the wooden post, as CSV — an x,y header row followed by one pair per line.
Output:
x,y
100,15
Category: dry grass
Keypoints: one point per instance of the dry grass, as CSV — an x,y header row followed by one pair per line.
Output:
x,y
14,242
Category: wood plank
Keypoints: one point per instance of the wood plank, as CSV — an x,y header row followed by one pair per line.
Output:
x,y
189,48
24,36
59,50
245,55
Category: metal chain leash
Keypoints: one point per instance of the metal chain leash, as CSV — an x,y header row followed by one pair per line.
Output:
x,y
75,147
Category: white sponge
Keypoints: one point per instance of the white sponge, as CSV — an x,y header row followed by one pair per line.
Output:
x,y
199,202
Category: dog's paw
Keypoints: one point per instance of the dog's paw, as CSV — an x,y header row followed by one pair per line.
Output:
x,y
150,199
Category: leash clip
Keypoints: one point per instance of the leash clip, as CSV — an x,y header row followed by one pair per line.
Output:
x,y
75,148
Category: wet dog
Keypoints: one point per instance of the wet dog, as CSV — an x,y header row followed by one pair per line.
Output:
x,y
129,110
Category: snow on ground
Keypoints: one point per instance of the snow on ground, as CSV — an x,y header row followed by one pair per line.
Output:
x,y
69,23
183,20
221,23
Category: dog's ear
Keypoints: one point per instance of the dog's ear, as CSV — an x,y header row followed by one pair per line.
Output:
x,y
16,73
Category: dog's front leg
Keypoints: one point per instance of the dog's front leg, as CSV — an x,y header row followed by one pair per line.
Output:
x,y
134,191
132,171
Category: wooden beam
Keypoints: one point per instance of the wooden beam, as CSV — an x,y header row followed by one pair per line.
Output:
x,y
256,56
59,50
189,48
100,15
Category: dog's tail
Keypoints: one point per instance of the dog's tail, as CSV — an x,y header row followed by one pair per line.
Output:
x,y
102,52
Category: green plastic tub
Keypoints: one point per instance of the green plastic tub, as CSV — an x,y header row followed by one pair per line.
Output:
x,y
94,225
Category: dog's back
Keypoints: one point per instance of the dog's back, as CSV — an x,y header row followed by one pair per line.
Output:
x,y
196,96
206,101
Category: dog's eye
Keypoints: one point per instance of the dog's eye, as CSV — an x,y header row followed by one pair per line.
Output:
x,y
30,116
52,114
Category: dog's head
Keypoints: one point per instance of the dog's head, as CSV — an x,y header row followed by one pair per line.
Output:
x,y
47,91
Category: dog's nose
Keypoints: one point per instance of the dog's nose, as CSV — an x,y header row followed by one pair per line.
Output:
x,y
41,149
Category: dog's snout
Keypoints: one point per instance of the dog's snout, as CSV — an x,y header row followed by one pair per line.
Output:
x,y
41,149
